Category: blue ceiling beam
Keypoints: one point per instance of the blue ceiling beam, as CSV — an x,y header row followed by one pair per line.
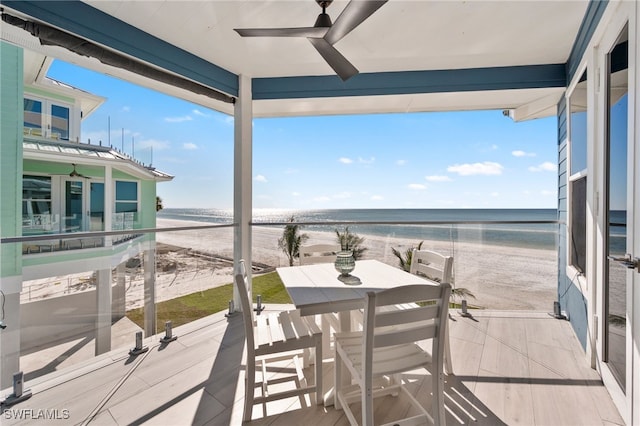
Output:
x,y
409,82
88,22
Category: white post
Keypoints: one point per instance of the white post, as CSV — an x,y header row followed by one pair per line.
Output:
x,y
242,206
109,203
103,314
10,336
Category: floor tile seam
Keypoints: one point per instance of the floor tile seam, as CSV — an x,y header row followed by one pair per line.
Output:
x,y
553,370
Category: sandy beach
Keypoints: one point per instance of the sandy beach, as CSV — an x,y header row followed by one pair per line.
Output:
x,y
500,277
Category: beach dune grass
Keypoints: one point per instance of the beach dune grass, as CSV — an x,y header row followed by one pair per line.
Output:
x,y
191,307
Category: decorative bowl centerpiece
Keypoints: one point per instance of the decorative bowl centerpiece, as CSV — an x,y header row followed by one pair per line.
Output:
x,y
345,263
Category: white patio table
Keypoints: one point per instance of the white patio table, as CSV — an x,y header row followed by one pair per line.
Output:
x,y
319,289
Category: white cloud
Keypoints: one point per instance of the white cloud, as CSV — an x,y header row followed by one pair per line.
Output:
x,y
260,178
200,113
291,171
484,168
295,194
547,166
546,193
178,119
366,161
345,160
126,108
189,146
494,147
520,153
436,178
494,194
377,198
401,162
322,199
417,186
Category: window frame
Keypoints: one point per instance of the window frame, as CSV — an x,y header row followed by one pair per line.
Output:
x,y
115,195
573,270
46,118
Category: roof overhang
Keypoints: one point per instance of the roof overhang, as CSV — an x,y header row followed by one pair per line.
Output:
x,y
456,55
90,155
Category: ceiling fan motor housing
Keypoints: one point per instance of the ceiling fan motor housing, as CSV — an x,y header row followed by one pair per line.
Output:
x,y
323,21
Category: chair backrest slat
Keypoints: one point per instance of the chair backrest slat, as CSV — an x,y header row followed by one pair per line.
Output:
x,y
407,315
318,253
405,335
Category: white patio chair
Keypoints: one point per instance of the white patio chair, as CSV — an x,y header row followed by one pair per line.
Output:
x,y
387,346
272,337
312,255
318,253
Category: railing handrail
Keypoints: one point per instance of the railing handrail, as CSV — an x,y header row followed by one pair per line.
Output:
x,y
93,234
415,222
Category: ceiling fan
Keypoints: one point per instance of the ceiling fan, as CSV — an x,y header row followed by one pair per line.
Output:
x,y
324,34
74,173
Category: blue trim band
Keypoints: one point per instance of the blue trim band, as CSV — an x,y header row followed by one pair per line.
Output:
x,y
86,21
400,83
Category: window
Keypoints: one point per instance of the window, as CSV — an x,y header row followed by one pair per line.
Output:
x,y
59,122
44,118
36,204
36,195
126,197
577,202
33,116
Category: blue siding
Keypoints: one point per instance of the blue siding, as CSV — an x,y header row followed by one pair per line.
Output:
x,y
570,297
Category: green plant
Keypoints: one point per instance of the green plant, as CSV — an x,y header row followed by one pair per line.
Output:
x,y
462,293
350,241
404,260
159,205
291,240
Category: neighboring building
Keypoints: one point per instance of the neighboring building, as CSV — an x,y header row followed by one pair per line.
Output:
x,y
66,188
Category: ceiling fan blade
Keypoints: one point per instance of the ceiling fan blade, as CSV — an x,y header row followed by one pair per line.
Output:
x,y
309,32
353,15
339,63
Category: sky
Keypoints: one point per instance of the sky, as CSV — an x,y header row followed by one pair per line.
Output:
x,y
471,159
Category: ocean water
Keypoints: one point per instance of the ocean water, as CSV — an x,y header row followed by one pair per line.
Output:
x,y
508,234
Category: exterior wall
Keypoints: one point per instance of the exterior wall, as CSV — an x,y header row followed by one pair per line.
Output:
x,y
148,204
572,302
11,106
11,98
52,321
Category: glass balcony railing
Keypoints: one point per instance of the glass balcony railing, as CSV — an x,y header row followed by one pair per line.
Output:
x,y
184,272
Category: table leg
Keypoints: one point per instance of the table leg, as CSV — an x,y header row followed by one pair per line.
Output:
x,y
344,318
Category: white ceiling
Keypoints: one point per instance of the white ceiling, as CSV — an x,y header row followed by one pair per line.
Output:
x,y
403,35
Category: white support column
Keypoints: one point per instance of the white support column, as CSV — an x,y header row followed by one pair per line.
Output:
x,y
10,336
149,264
103,314
109,203
243,155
